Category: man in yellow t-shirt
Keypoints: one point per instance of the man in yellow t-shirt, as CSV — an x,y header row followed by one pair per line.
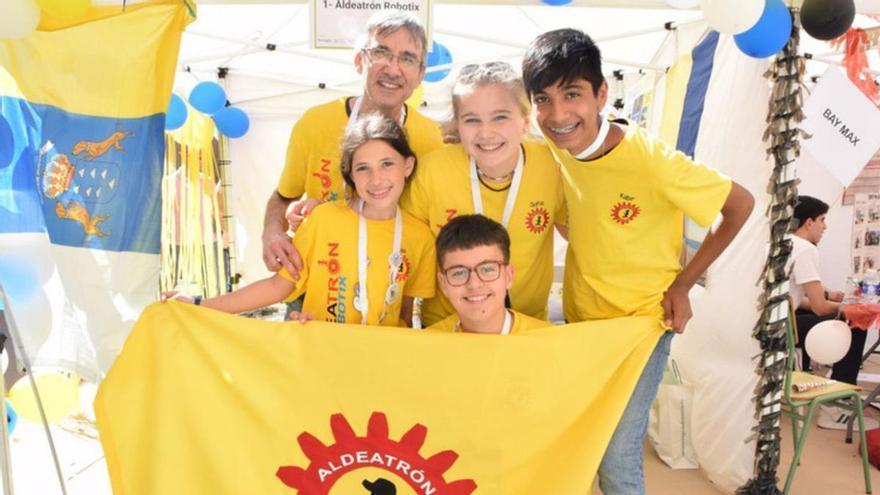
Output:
x,y
392,60
441,191
330,265
473,253
627,195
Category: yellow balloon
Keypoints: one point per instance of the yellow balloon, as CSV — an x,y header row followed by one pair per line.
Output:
x,y
65,9
58,391
417,97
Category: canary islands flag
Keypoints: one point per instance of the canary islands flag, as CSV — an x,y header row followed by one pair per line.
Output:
x,y
85,100
205,402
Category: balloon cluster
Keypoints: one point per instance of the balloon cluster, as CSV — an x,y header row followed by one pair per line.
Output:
x,y
761,28
209,98
20,17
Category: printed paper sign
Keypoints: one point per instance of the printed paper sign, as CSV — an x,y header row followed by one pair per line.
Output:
x,y
844,126
338,23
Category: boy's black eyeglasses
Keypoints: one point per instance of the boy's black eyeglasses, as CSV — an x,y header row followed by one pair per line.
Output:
x,y
487,271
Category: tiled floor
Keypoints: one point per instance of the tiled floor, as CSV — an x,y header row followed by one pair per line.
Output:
x,y
829,466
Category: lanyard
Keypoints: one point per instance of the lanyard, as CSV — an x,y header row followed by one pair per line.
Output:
x,y
604,125
361,301
356,110
511,194
505,330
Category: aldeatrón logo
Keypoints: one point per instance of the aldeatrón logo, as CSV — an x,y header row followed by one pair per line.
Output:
x,y
328,463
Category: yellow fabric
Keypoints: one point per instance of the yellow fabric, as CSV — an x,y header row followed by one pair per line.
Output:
x,y
328,243
627,222
203,402
521,323
677,78
442,190
146,40
314,150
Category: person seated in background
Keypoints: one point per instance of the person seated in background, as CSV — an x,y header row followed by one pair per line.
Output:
x,y
473,255
815,304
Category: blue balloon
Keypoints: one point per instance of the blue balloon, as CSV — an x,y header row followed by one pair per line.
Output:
x,y
207,97
232,122
11,418
7,143
557,3
770,34
177,113
439,55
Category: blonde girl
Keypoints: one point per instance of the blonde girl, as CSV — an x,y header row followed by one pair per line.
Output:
x,y
496,170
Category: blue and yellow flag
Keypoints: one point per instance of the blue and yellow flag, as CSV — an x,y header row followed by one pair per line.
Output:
x,y
205,402
80,199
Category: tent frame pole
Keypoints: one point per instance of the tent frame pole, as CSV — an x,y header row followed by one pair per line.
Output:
x,y
22,354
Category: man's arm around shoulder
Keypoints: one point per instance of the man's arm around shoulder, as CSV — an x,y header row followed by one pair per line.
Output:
x,y
278,249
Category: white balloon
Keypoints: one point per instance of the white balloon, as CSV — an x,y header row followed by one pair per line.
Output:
x,y
4,363
683,4
732,17
19,19
828,341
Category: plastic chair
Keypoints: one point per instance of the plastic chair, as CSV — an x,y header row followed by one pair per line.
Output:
x,y
839,394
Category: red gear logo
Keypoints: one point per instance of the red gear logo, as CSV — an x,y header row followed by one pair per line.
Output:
x,y
375,450
405,267
624,212
537,220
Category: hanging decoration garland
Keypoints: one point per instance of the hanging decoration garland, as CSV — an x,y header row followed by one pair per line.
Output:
x,y
785,113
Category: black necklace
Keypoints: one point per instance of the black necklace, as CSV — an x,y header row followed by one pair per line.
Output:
x,y
480,178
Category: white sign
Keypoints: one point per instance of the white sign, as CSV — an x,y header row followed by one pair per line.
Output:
x,y
339,23
844,126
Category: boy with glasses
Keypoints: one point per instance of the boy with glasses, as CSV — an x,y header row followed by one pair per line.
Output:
x,y
473,253
392,61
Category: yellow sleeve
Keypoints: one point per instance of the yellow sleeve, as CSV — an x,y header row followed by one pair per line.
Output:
x,y
698,190
292,183
304,242
561,203
423,273
423,133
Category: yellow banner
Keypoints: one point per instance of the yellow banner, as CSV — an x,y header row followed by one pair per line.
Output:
x,y
113,62
677,78
204,402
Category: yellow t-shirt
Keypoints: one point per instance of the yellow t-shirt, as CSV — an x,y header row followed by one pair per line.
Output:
x,y
442,190
314,150
520,323
328,244
626,224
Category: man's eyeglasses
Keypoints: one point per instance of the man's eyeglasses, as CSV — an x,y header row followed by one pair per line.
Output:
x,y
382,55
487,271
